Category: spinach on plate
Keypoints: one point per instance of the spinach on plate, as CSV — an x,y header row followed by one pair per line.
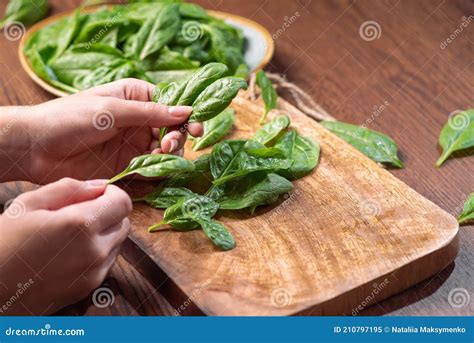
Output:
x,y
153,41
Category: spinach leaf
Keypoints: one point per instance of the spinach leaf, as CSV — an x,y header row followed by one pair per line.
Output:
x,y
224,154
246,162
301,151
79,61
117,69
216,98
168,93
168,60
272,130
457,134
269,94
215,129
200,80
155,166
27,12
217,233
67,36
373,144
242,71
156,32
166,197
183,215
226,44
197,52
40,67
168,76
253,190
182,179
192,11
468,210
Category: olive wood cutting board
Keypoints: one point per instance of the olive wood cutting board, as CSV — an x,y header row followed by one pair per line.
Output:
x,y
347,236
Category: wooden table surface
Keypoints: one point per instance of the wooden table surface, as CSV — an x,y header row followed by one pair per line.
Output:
x,y
405,83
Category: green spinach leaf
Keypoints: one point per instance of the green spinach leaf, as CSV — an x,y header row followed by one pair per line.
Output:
x,y
303,153
166,197
253,190
272,130
155,166
182,179
457,134
216,98
215,129
27,12
217,233
373,144
156,32
247,162
200,80
468,210
269,94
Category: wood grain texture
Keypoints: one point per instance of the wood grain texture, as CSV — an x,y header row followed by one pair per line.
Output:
x,y
323,53
348,226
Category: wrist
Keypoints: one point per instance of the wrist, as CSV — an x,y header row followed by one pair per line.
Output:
x,y
15,143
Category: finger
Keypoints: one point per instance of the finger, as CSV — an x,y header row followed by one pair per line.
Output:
x,y
126,89
114,236
99,214
196,129
129,113
173,141
63,193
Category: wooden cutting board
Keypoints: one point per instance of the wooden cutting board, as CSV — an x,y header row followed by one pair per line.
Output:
x,y
348,235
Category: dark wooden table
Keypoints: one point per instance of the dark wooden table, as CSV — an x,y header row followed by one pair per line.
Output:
x,y
409,71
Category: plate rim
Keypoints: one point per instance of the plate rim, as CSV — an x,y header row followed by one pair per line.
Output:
x,y
25,64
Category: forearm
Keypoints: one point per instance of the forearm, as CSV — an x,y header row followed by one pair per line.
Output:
x,y
15,143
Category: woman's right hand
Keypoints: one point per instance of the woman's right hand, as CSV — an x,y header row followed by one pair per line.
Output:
x,y
62,240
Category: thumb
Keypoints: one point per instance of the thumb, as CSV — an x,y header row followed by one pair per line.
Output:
x,y
138,113
62,193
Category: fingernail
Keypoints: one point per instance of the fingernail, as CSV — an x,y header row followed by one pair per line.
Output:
x,y
180,111
174,145
96,183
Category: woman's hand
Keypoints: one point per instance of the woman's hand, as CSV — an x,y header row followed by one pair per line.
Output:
x,y
61,240
95,133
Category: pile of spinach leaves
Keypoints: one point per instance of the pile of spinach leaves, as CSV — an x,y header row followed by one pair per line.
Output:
x,y
237,174
155,41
